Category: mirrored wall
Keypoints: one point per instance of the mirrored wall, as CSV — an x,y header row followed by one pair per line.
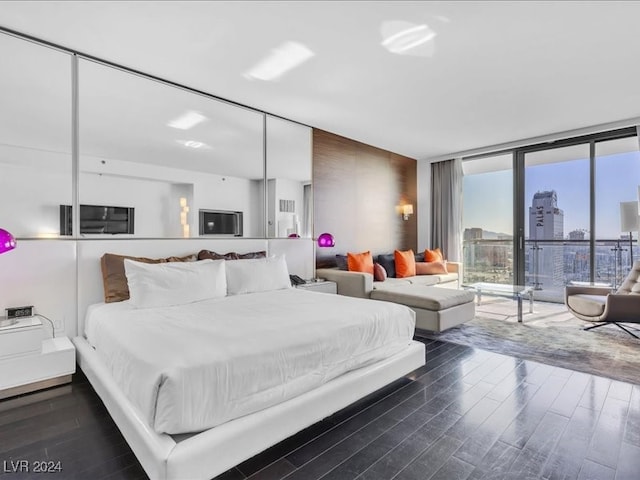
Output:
x,y
35,137
289,193
153,160
164,151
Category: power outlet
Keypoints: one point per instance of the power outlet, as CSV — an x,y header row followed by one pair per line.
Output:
x,y
58,323
19,312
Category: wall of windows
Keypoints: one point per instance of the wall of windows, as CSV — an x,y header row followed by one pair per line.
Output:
x,y
550,215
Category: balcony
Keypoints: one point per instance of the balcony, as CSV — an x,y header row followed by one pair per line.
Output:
x,y
549,264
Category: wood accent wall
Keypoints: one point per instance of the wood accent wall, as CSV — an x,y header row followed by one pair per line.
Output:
x,y
358,190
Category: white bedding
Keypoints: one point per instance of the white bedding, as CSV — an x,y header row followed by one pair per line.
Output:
x,y
191,367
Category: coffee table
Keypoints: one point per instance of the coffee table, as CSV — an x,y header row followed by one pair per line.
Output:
x,y
501,290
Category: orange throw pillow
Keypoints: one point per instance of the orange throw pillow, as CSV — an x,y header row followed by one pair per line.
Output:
x,y
360,262
430,268
433,255
405,263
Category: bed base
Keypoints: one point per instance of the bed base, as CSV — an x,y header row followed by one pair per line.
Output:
x,y
209,453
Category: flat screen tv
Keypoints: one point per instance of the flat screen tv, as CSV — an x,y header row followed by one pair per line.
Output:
x,y
98,219
220,222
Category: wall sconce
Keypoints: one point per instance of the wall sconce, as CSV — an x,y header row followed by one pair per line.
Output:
x,y
406,211
183,217
326,240
7,241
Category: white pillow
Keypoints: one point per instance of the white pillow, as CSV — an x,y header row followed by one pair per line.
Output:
x,y
257,275
174,283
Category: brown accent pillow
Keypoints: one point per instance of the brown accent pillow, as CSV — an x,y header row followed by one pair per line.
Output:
x,y
250,255
430,268
208,254
114,279
360,262
433,255
379,273
405,263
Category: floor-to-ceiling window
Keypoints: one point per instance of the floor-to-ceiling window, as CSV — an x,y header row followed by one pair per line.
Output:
x,y
553,214
488,219
556,219
617,177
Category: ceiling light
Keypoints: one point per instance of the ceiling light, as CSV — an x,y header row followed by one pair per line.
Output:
x,y
400,37
286,57
193,144
187,120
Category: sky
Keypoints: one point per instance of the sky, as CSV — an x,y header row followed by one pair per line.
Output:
x,y
487,198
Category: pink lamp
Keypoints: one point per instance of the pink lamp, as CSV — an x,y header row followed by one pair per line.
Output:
x,y
326,240
7,242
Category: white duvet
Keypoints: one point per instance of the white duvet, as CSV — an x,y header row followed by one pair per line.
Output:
x,y
191,367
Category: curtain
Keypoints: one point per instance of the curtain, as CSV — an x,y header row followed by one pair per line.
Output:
x,y
446,208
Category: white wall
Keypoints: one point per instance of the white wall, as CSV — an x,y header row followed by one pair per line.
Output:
x,y
42,273
60,277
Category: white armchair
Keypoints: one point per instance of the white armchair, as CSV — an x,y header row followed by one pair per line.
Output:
x,y
601,306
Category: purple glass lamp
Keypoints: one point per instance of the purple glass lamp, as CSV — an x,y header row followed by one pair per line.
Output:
x,y
326,240
7,242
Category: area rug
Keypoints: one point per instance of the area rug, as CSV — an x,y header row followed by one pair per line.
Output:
x,y
553,339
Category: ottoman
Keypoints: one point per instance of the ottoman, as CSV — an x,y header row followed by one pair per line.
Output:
x,y
436,308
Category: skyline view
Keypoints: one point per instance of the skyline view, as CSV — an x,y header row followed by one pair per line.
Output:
x,y
488,197
556,216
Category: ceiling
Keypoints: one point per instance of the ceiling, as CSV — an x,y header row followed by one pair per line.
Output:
x,y
495,72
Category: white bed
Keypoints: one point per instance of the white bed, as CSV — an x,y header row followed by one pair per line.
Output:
x,y
191,367
270,412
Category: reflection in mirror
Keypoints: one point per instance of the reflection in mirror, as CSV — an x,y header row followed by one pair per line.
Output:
x,y
35,137
165,154
289,192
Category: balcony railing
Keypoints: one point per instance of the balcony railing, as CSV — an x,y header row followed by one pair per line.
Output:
x,y
550,265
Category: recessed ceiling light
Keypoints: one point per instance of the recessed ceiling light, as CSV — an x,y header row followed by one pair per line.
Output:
x,y
280,60
400,37
187,120
193,144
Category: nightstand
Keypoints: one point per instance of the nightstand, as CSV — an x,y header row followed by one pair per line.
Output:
x,y
325,286
30,360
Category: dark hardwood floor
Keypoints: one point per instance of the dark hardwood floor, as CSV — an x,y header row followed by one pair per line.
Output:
x,y
467,414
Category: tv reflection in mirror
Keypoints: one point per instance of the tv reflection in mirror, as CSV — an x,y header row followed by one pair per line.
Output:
x,y
97,219
220,222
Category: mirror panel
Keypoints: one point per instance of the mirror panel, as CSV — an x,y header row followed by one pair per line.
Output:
x,y
160,154
289,192
35,137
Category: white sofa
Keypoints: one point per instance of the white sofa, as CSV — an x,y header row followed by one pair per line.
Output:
x,y
436,308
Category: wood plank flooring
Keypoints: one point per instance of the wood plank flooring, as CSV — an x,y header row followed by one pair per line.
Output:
x,y
467,414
